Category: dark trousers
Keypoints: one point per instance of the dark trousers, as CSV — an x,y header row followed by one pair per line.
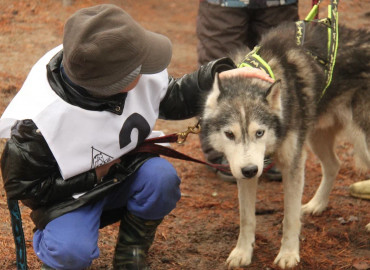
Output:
x,y
223,30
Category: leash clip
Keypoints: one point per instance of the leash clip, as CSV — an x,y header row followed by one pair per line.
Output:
x,y
182,136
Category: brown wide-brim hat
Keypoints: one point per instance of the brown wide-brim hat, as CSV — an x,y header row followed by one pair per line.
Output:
x,y
104,49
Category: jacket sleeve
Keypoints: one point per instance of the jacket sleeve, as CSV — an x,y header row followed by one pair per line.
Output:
x,y
185,96
30,171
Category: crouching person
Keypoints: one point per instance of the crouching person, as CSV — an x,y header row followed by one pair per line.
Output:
x,y
84,106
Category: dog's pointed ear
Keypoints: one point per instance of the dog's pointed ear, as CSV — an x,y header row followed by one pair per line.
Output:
x,y
272,96
214,93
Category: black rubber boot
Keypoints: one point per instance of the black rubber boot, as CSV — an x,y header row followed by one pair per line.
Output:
x,y
135,237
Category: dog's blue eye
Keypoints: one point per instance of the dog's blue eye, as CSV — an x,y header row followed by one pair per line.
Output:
x,y
229,135
260,133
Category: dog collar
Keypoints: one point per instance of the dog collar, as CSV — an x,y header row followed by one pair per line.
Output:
x,y
252,59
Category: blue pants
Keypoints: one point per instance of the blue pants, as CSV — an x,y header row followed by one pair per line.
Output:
x,y
71,241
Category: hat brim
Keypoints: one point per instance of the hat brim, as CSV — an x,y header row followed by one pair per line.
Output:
x,y
159,53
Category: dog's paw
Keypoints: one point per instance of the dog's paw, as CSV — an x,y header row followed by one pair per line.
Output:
x,y
313,207
239,257
287,259
368,227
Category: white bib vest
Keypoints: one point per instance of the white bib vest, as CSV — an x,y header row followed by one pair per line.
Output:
x,y
82,139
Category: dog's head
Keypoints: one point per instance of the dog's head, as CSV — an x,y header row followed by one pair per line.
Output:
x,y
241,118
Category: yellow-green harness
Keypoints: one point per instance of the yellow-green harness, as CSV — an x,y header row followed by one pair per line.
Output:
x,y
252,59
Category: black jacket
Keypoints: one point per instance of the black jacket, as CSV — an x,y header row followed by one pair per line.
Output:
x,y
30,172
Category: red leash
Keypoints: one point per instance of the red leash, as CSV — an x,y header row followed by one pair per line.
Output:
x,y
152,146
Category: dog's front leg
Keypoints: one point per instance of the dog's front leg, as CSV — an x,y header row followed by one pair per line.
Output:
x,y
293,179
242,253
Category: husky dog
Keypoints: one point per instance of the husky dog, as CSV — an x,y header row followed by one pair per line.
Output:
x,y
249,119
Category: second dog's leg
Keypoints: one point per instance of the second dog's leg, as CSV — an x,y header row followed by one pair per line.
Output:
x,y
322,144
242,253
293,178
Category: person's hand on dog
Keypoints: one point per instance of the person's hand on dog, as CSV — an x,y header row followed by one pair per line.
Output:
x,y
247,72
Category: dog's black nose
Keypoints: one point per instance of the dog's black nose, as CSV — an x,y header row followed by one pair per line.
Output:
x,y
250,171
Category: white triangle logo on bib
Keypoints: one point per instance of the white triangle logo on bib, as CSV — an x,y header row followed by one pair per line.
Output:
x,y
98,158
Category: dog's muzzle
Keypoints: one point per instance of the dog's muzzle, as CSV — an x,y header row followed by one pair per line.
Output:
x,y
250,171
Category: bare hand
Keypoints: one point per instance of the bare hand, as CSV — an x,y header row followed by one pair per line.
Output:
x,y
102,171
247,72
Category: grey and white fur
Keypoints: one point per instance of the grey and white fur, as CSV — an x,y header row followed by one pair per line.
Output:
x,y
249,119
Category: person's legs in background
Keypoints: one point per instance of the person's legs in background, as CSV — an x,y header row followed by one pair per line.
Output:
x,y
264,19
220,31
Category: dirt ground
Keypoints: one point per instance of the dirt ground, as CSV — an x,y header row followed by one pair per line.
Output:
x,y
203,229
